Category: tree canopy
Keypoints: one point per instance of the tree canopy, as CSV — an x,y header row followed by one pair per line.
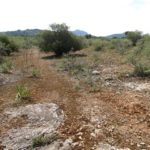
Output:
x,y
59,40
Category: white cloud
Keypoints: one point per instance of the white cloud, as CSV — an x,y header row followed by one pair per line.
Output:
x,y
99,17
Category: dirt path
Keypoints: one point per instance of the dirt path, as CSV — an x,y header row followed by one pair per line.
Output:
x,y
118,118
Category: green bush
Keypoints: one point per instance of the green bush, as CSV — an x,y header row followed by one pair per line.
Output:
x,y
99,47
5,65
7,46
121,45
134,36
59,40
141,70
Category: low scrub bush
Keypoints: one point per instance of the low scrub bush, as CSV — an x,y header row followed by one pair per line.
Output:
x,y
141,70
7,46
6,65
121,45
72,65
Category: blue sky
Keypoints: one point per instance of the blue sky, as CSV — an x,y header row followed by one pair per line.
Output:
x,y
98,17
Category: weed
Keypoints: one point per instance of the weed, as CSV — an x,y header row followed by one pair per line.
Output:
x,y
23,93
43,140
35,73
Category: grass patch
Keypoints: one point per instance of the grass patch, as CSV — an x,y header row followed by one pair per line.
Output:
x,y
23,93
35,73
43,140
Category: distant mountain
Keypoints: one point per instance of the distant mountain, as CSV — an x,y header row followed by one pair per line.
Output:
x,y
27,32
119,35
33,32
79,32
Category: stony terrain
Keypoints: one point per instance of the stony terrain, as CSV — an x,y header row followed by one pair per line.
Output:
x,y
116,117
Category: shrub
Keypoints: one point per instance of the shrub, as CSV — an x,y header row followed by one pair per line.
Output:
x,y
23,93
6,65
141,57
121,45
141,70
99,47
7,46
72,65
134,36
59,40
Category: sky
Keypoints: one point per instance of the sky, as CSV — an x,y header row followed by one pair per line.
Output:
x,y
97,17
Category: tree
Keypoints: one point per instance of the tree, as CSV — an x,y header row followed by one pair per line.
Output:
x,y
134,36
59,40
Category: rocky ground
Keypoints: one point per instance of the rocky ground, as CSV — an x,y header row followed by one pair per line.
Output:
x,y
117,117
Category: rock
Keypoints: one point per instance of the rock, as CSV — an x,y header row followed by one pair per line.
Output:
x,y
43,119
102,146
95,72
67,144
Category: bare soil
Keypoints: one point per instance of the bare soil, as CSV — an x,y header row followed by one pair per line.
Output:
x,y
120,118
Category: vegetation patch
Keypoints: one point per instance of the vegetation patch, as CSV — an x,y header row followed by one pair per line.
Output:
x,y
6,65
59,40
23,93
43,140
35,73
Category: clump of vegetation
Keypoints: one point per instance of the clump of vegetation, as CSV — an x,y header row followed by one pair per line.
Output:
x,y
7,46
72,65
59,40
43,140
141,70
23,93
35,73
141,57
121,45
134,36
5,65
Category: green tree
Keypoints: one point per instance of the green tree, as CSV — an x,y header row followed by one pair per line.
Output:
x,y
59,40
134,36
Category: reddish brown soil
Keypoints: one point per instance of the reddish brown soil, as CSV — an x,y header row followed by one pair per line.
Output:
x,y
124,116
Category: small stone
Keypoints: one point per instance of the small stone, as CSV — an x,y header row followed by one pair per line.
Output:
x,y
80,137
95,72
93,134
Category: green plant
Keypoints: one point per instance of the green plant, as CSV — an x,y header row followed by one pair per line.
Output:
x,y
59,40
134,36
7,46
43,140
23,93
6,65
141,70
121,45
72,65
35,73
